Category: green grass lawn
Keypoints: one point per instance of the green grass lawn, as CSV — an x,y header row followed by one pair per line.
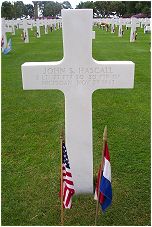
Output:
x,y
31,125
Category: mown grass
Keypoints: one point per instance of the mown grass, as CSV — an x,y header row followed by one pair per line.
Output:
x,y
31,125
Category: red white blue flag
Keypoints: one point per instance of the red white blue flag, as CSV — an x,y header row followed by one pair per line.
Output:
x,y
68,185
8,47
103,186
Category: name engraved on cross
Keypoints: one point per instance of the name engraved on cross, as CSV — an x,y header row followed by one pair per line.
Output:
x,y
78,75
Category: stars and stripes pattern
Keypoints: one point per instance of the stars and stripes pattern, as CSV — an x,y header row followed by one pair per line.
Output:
x,y
104,182
68,185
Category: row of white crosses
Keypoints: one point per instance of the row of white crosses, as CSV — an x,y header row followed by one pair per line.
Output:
x,y
57,23
133,23
78,75
114,22
25,24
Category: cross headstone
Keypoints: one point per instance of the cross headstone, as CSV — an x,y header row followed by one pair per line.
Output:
x,y
45,26
60,23
25,26
54,24
11,23
38,32
13,26
112,25
141,22
134,24
120,30
127,22
78,75
30,23
4,31
146,23
147,29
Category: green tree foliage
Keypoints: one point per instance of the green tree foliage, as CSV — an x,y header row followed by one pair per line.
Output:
x,y
86,5
122,8
29,10
35,9
16,10
119,8
50,8
66,5
7,10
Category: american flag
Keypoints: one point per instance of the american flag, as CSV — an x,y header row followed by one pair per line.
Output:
x,y
68,185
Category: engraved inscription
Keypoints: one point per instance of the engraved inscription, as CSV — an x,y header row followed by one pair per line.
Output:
x,y
81,76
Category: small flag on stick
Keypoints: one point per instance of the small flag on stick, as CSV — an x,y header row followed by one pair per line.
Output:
x,y
67,185
103,191
8,47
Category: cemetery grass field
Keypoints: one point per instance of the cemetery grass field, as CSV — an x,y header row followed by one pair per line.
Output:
x,y
31,125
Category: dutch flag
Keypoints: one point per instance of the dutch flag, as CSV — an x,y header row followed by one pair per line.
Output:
x,y
105,193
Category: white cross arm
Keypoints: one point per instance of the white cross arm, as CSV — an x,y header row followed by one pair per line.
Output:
x,y
136,25
25,26
112,75
93,76
128,25
45,75
7,29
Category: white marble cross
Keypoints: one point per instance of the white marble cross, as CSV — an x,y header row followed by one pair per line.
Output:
x,y
134,24
11,23
146,23
147,28
4,31
45,21
54,24
38,31
112,25
127,22
25,26
78,75
13,26
120,30
31,23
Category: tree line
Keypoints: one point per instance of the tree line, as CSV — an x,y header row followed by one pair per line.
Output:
x,y
14,10
119,8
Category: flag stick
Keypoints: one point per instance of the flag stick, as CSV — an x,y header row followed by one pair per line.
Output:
x,y
101,168
62,211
